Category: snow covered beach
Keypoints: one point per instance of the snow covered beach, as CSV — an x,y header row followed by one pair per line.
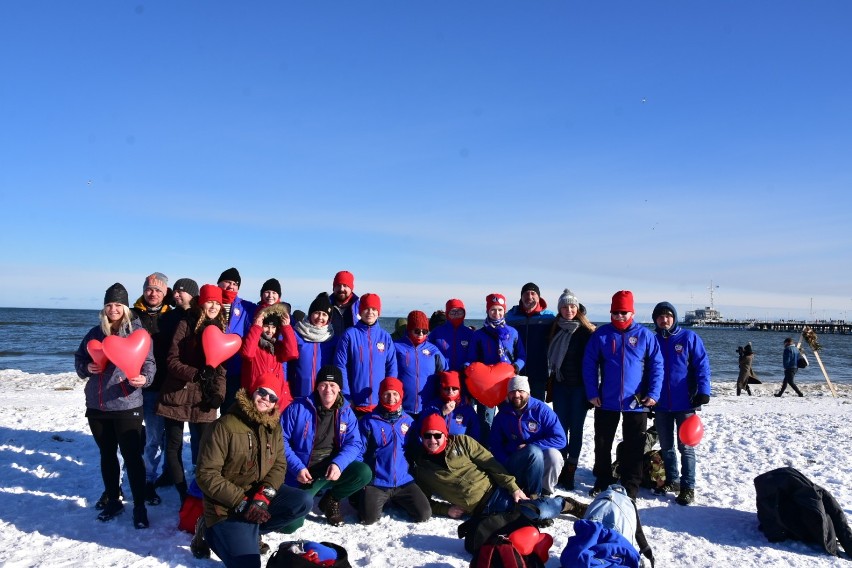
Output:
x,y
51,479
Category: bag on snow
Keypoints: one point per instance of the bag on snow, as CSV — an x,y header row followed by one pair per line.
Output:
x,y
501,553
308,554
613,509
486,537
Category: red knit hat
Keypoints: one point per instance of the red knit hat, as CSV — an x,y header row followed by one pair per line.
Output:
x,y
449,379
454,303
391,383
267,381
416,320
210,293
436,422
622,301
344,277
495,299
373,301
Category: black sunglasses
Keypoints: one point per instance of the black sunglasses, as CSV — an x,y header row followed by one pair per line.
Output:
x,y
619,313
267,394
432,435
420,331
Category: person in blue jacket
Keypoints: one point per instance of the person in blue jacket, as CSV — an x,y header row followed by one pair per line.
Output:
x,y
418,363
623,374
686,386
453,337
323,446
365,356
790,360
316,342
495,342
527,438
533,321
384,432
449,404
239,314
345,307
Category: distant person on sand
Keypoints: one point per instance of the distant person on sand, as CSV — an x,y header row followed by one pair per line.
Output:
x,y
746,375
791,356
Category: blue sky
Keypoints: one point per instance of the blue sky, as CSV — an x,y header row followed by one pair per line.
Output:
x,y
436,149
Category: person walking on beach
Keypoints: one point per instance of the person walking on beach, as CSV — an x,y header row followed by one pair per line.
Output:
x,y
746,372
791,357
114,408
626,356
533,321
686,386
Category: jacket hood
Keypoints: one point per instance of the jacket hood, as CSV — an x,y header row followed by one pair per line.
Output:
x,y
244,405
659,308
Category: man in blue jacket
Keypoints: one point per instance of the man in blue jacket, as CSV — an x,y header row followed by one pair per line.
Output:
x,y
686,386
533,321
239,314
791,359
623,374
323,446
527,438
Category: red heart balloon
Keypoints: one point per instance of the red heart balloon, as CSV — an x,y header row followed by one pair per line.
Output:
x,y
524,539
128,353
691,431
542,549
96,351
489,384
218,345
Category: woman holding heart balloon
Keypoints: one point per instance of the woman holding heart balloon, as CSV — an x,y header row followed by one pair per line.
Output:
x,y
193,389
117,359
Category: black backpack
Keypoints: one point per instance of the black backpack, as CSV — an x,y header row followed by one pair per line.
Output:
x,y
285,557
485,536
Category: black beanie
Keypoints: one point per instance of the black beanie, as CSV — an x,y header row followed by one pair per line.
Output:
x,y
530,286
116,293
330,373
231,274
271,284
320,304
187,285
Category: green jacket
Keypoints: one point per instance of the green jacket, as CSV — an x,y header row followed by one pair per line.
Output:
x,y
464,477
240,451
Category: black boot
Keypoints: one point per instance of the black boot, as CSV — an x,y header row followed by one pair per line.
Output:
x,y
199,546
113,508
151,496
140,517
573,507
566,478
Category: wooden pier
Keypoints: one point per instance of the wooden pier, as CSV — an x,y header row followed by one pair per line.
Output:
x,y
837,326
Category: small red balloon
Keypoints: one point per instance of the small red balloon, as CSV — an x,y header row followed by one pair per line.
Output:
x,y
489,384
128,353
96,351
218,345
691,431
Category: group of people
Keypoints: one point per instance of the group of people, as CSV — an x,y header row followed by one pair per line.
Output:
x,y
791,360
324,401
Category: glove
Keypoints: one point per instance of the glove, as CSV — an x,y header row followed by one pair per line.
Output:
x,y
205,374
209,392
256,510
699,399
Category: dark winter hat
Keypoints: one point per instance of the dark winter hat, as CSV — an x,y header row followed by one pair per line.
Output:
x,y
372,301
330,374
231,274
320,304
158,281
116,293
748,349
530,286
438,318
622,301
271,284
664,308
344,277
187,285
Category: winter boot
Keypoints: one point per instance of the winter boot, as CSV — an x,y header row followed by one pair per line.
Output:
x,y
104,499
687,496
151,496
199,546
112,509
262,546
140,517
331,509
566,478
573,507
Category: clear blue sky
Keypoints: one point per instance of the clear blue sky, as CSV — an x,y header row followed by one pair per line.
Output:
x,y
436,149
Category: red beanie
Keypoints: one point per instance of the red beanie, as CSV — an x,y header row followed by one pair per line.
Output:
x,y
622,301
373,301
495,299
417,320
436,422
268,381
453,303
210,293
449,379
393,384
344,277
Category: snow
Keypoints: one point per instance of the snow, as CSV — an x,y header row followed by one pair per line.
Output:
x,y
51,479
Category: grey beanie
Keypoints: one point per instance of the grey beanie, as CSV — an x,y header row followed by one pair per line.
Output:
x,y
187,285
567,299
519,383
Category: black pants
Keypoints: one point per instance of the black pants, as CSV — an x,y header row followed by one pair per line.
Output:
x,y
174,447
123,434
789,378
410,497
633,427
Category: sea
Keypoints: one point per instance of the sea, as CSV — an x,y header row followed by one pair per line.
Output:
x,y
43,341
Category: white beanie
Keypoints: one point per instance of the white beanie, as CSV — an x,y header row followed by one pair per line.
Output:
x,y
567,299
519,383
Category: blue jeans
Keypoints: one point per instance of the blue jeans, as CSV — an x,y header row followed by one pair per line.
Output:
x,y
501,501
235,541
665,422
571,407
535,470
155,435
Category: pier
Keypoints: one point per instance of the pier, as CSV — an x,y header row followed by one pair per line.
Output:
x,y
834,326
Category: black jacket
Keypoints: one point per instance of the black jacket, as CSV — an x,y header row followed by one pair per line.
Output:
x,y
789,505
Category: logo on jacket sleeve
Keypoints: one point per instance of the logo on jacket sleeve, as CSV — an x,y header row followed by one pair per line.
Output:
x,y
633,341
678,348
532,426
425,352
342,427
380,346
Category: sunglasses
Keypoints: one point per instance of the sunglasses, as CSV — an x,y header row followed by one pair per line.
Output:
x,y
432,435
619,313
263,393
420,331
450,388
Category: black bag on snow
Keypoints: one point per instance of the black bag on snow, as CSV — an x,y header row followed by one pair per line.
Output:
x,y
501,553
485,537
285,557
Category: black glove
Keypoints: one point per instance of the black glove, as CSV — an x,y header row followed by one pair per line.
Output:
x,y
699,399
206,373
256,510
209,393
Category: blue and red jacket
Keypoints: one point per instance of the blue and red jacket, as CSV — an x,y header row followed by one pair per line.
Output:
x,y
485,348
417,367
384,447
687,367
299,425
454,343
302,373
365,355
629,363
461,420
239,322
537,424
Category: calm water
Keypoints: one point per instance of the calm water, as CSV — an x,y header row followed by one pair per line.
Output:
x,y
44,341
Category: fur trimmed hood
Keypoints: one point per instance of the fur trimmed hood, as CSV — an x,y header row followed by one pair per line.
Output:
x,y
245,406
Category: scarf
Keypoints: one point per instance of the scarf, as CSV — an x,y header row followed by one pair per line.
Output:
x,y
312,333
266,345
559,345
496,329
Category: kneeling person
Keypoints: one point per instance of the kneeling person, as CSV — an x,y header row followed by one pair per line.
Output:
x,y
384,432
241,473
